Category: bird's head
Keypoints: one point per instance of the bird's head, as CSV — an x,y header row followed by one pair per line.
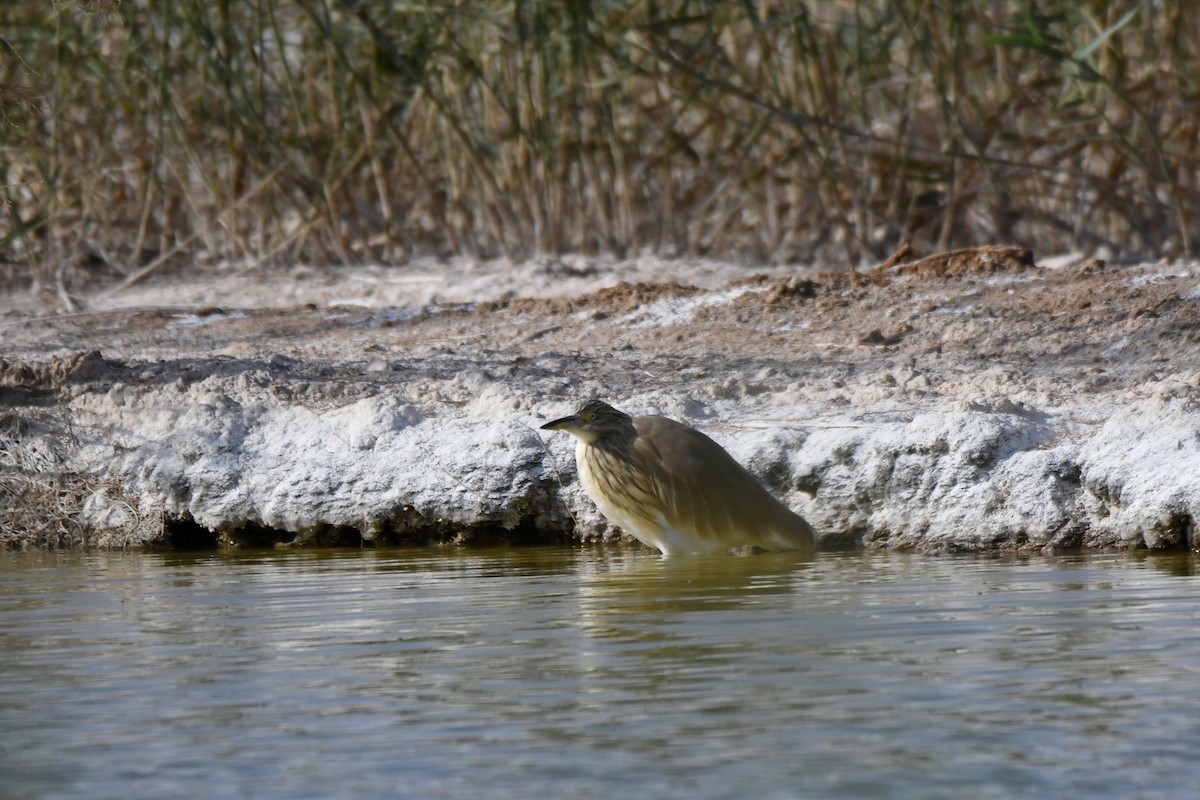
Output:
x,y
593,420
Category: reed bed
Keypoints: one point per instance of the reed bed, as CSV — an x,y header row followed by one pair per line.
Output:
x,y
187,134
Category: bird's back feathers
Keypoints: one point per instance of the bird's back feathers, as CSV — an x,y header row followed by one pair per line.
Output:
x,y
707,499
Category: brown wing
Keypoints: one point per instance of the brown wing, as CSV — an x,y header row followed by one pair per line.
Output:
x,y
707,495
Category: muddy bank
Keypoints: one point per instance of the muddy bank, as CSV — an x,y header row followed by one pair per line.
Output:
x,y
978,402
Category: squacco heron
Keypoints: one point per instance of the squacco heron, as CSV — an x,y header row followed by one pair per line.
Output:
x,y
674,488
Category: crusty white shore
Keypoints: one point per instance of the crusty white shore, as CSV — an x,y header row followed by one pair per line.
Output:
x,y
1055,406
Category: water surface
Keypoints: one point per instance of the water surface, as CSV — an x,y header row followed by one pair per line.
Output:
x,y
567,672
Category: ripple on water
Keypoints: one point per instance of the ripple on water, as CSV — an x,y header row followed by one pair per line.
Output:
x,y
596,672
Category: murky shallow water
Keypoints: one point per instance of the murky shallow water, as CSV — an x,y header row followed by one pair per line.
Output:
x,y
597,673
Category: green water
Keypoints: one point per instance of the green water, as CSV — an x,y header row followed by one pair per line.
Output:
x,y
606,673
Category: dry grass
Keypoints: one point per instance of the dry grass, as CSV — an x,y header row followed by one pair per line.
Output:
x,y
40,499
45,503
329,131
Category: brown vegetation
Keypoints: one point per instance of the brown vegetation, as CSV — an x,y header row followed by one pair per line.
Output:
x,y
327,131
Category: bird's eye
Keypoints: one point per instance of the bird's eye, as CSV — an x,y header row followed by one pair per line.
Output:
x,y
587,416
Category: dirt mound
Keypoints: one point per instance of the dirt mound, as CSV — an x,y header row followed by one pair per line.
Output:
x,y
956,263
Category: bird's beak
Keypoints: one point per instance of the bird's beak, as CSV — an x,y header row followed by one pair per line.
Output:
x,y
562,423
